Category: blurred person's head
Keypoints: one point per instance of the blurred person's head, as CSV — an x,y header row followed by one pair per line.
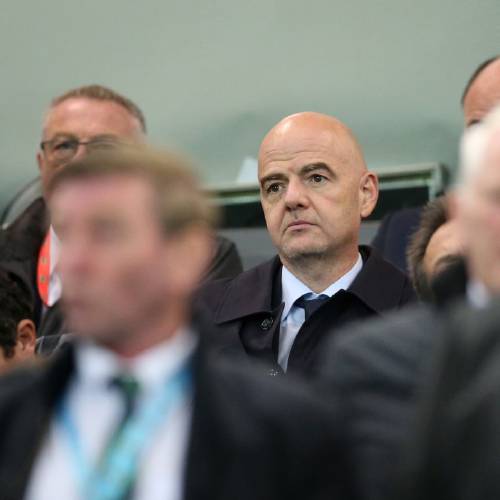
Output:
x,y
82,119
434,247
315,190
135,240
482,92
17,329
477,200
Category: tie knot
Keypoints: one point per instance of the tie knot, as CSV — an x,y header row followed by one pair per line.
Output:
x,y
310,306
129,387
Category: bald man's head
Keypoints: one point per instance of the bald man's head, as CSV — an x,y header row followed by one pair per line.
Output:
x,y
315,187
482,92
308,129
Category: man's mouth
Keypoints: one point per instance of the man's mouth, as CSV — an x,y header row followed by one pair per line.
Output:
x,y
297,225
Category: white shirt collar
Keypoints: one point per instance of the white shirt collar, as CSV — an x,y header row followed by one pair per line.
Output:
x,y
478,295
97,365
55,286
292,288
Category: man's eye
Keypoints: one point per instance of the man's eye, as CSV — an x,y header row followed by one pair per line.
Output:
x,y
64,145
273,188
317,178
104,143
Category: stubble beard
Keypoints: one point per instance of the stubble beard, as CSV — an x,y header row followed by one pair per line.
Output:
x,y
306,255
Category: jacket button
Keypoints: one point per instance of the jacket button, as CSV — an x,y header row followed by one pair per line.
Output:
x,y
273,372
267,323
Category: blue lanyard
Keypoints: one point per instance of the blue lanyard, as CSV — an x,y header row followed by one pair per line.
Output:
x,y
110,481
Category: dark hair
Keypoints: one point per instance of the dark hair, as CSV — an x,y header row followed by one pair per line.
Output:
x,y
476,73
434,215
101,93
15,305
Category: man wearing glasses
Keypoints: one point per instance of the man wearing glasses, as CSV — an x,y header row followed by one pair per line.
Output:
x,y
82,119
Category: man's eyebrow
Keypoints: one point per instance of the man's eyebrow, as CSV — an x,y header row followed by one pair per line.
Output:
x,y
315,167
100,137
272,177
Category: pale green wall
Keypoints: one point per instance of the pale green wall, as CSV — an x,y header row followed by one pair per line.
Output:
x,y
213,76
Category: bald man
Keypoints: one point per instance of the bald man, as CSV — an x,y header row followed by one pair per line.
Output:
x,y
315,190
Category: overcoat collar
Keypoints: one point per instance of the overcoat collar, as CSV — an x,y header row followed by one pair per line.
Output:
x,y
379,285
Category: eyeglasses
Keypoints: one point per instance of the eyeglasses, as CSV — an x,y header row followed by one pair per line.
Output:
x,y
63,149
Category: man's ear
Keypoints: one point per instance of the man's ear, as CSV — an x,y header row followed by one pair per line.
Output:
x,y
26,338
40,160
368,188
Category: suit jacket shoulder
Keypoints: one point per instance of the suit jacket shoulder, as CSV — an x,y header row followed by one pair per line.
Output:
x,y
380,285
455,445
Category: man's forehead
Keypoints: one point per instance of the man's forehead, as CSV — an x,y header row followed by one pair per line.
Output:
x,y
124,191
90,116
299,150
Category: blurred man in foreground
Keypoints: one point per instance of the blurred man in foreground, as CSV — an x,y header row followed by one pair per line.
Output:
x,y
455,452
135,408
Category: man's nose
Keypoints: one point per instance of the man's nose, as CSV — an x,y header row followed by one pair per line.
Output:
x,y
81,151
296,194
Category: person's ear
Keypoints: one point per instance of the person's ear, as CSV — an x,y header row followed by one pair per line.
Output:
x,y
40,160
26,338
368,190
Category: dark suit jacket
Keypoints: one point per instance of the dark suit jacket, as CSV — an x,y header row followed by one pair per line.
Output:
x,y
394,234
246,311
252,437
455,449
372,373
20,245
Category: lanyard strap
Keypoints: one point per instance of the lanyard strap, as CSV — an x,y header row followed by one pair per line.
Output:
x,y
110,481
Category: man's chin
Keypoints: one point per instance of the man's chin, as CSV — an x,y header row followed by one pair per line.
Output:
x,y
85,327
297,253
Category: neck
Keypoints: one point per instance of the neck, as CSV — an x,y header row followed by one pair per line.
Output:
x,y
149,335
319,272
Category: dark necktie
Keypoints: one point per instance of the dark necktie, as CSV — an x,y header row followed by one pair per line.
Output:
x,y
128,388
312,305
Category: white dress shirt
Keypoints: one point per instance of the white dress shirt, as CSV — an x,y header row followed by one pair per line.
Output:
x,y
294,316
55,287
97,408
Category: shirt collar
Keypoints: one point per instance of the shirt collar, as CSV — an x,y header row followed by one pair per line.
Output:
x,y
293,288
97,365
54,249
